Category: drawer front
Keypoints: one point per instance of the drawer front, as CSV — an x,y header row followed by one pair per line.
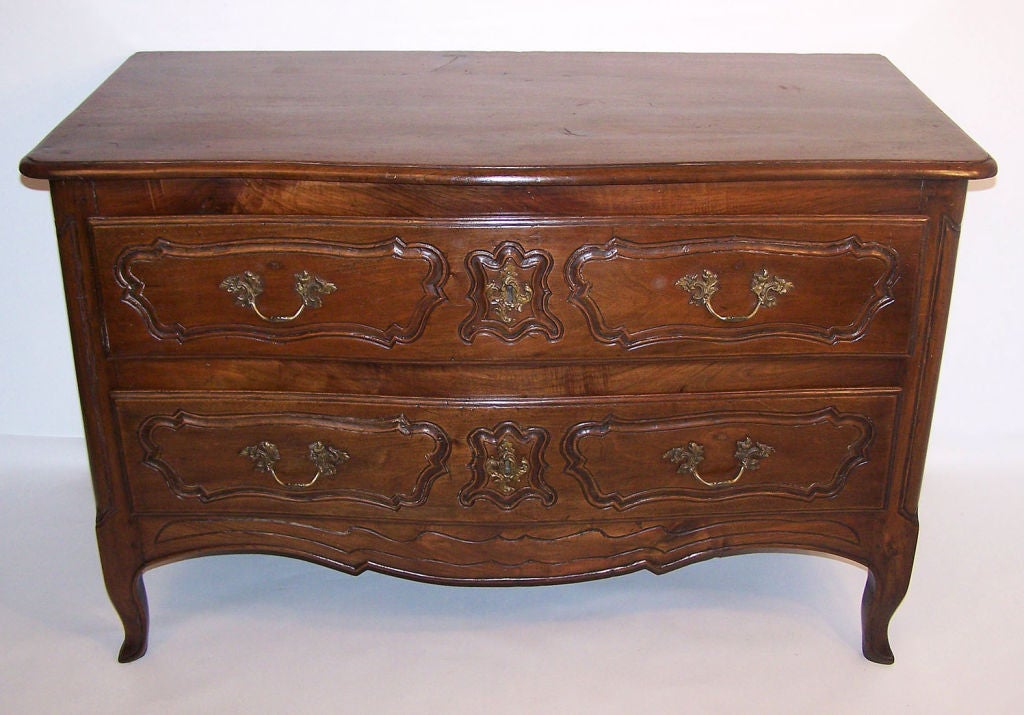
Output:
x,y
386,462
752,284
535,461
250,283
716,456
434,290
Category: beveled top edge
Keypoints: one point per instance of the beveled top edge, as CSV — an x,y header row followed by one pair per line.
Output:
x,y
511,176
507,118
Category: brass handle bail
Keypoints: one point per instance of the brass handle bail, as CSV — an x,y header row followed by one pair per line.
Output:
x,y
702,286
748,454
247,286
325,458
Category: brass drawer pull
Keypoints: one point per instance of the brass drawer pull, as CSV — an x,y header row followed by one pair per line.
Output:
x,y
248,286
703,286
323,456
748,454
507,295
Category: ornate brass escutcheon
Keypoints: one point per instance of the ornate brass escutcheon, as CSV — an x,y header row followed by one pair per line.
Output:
x,y
248,286
325,458
748,454
507,295
704,285
507,469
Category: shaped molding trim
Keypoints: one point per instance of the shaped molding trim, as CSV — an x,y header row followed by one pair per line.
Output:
x,y
508,466
216,437
694,324
394,329
523,275
542,553
843,440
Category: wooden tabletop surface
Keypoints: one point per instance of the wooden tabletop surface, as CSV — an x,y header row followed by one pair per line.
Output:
x,y
507,118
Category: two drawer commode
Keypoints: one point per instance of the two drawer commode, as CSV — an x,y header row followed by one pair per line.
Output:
x,y
499,318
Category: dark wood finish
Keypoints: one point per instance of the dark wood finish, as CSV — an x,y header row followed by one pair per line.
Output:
x,y
616,292
270,197
172,276
506,118
182,453
506,375
390,462
629,293
555,379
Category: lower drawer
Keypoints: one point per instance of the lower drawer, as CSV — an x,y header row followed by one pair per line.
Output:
x,y
527,461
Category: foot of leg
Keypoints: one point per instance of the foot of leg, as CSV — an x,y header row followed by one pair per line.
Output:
x,y
129,599
879,603
133,609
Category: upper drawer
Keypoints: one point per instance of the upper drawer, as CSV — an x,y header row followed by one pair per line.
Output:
x,y
268,283
744,284
448,290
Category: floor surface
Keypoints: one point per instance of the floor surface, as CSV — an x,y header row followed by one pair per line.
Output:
x,y
775,633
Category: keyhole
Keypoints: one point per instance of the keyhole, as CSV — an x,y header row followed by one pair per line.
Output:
x,y
510,298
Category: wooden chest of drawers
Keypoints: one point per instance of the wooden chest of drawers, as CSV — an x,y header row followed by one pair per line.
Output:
x,y
507,319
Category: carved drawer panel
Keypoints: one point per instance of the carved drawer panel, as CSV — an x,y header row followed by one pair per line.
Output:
x,y
205,280
475,290
720,455
510,295
238,452
807,282
475,461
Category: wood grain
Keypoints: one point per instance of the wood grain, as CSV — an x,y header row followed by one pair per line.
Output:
x,y
507,118
478,451
856,282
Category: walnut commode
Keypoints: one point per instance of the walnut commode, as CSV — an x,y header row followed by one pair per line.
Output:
x,y
507,318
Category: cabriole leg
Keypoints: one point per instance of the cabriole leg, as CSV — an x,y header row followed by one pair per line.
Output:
x,y
887,583
122,574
